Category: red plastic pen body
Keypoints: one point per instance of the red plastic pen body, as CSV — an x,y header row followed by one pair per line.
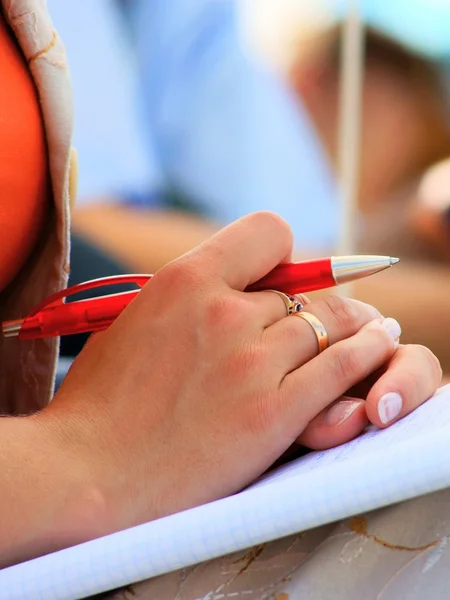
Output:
x,y
296,278
54,317
94,314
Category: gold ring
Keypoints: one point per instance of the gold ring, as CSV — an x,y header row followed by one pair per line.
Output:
x,y
318,328
291,303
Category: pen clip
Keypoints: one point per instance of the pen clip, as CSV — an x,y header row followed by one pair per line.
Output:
x,y
60,297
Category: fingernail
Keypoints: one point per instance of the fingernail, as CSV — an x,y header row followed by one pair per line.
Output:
x,y
340,412
389,407
393,328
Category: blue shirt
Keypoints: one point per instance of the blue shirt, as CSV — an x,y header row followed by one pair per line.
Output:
x,y
116,161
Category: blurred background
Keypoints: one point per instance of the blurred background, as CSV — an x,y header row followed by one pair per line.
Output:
x,y
192,113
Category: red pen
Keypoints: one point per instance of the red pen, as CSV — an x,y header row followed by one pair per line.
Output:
x,y
55,317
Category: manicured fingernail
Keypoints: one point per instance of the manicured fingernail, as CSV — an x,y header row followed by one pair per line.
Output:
x,y
393,328
340,412
389,407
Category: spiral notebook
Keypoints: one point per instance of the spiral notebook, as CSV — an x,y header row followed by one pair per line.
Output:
x,y
408,459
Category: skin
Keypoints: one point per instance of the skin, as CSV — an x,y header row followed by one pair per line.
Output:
x,y
156,416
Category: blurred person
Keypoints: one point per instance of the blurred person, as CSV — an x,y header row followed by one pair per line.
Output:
x,y
220,174
212,71
218,169
260,152
402,93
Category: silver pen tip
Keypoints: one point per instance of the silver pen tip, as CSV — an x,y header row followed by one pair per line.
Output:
x,y
393,261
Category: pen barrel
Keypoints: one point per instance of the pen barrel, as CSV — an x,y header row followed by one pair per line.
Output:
x,y
72,318
296,278
56,318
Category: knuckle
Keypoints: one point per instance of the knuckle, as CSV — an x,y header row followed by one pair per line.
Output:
x,y
224,313
344,311
181,276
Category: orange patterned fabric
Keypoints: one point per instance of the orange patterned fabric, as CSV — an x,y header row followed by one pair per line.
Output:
x,y
24,177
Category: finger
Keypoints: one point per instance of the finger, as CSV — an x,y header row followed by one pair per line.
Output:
x,y
412,376
338,423
295,340
247,249
270,307
310,388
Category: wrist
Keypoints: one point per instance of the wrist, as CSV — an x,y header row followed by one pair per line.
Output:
x,y
73,508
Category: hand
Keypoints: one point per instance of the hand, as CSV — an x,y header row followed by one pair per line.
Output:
x,y
198,387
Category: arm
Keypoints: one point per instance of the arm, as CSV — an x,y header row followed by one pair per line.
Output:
x,y
144,240
48,498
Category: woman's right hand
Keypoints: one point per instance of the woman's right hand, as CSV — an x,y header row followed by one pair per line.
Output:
x,y
198,387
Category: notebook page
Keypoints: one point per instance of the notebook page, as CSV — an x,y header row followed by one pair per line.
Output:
x,y
315,490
